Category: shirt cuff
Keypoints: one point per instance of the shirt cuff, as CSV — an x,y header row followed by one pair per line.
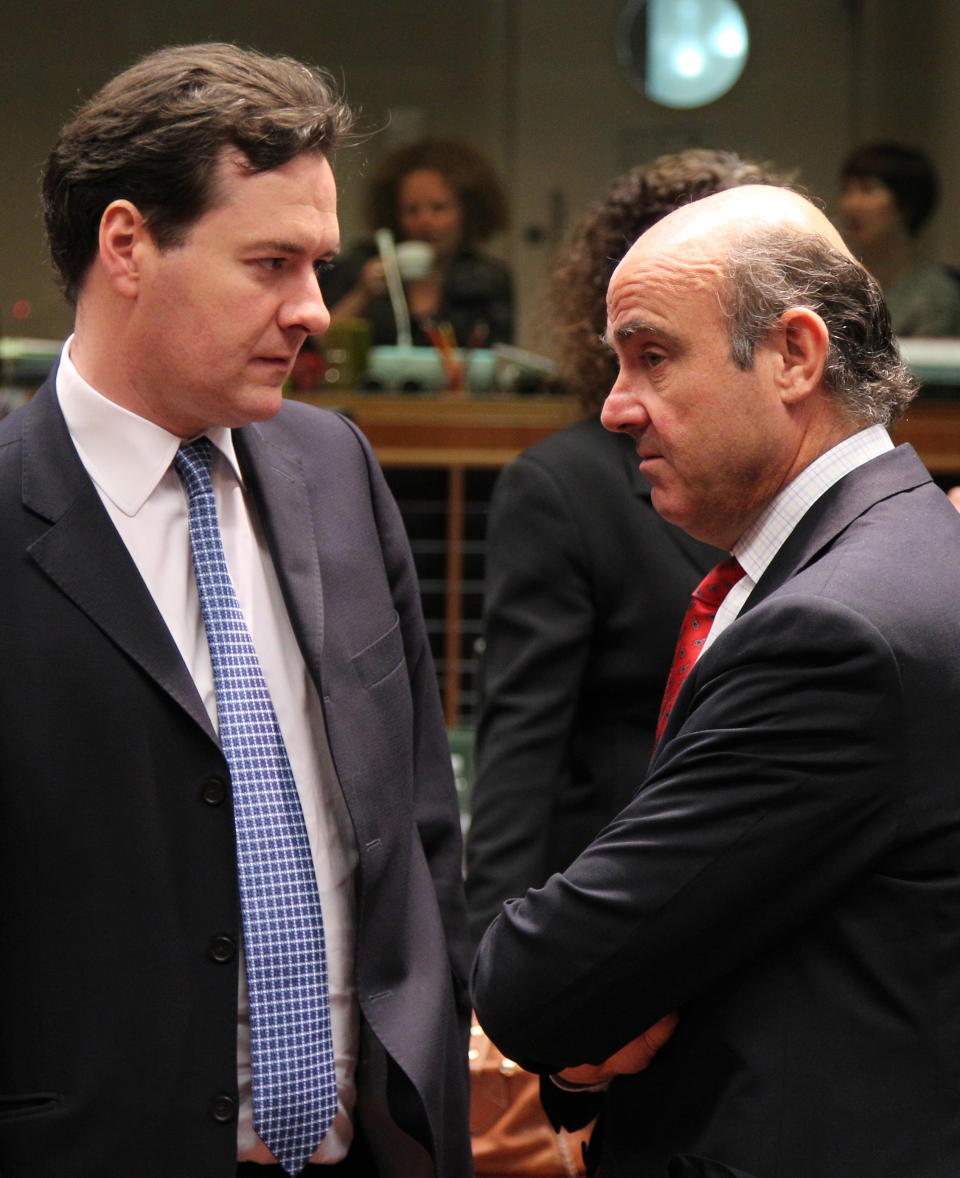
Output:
x,y
566,1086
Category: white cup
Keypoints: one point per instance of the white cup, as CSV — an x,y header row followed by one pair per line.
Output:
x,y
414,260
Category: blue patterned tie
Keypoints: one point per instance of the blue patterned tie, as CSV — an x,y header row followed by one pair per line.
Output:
x,y
294,1080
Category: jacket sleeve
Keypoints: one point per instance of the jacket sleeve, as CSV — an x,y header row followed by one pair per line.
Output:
x,y
778,789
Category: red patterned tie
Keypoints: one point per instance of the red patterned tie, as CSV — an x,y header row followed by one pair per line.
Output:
x,y
696,625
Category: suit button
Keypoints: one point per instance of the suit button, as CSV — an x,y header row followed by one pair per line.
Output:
x,y
222,948
214,791
223,1109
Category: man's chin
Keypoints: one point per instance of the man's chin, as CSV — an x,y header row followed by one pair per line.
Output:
x,y
667,507
259,404
663,506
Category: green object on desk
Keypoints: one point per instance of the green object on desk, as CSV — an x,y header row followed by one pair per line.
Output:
x,y
393,367
346,349
461,755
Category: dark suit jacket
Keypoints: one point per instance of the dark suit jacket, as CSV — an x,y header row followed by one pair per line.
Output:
x,y
586,589
117,1028
787,877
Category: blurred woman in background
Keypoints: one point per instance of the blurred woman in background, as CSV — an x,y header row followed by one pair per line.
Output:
x,y
888,193
447,195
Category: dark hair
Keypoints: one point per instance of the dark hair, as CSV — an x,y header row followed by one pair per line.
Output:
x,y
154,135
601,237
907,172
466,170
768,270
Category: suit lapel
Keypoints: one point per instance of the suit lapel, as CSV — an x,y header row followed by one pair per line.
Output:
x,y
890,474
280,495
81,552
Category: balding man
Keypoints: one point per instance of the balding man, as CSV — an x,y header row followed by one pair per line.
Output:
x,y
783,891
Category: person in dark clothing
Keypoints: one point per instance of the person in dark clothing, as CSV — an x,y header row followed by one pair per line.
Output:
x,y
446,194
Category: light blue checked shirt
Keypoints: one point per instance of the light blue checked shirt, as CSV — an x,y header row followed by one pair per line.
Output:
x,y
760,543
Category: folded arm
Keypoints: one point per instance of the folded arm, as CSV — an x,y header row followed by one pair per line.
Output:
x,y
778,790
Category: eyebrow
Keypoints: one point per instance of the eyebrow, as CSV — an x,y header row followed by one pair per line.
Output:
x,y
635,327
273,245
276,246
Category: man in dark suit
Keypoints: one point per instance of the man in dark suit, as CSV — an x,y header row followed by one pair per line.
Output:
x,y
581,607
189,205
783,890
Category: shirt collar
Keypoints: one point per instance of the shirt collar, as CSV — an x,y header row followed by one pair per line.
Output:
x,y
125,454
757,547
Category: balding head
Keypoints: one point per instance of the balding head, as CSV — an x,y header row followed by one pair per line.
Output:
x,y
750,342
709,224
764,250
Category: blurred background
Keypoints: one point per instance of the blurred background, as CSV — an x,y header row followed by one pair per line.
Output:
x,y
535,84
546,90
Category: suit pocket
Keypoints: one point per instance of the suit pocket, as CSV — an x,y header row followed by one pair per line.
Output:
x,y
28,1104
381,658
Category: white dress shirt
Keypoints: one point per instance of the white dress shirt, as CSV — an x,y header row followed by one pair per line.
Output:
x,y
760,543
129,460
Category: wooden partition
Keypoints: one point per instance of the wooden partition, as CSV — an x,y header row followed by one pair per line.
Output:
x,y
933,429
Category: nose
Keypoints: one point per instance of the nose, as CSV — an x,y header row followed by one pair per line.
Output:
x,y
305,308
623,409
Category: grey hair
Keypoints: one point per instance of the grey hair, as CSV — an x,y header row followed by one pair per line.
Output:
x,y
768,270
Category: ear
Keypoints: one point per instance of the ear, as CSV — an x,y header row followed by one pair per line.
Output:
x,y
123,236
800,341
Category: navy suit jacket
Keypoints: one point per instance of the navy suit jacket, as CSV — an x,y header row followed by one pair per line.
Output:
x,y
117,865
786,877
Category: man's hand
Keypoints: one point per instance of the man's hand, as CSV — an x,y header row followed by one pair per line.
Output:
x,y
633,1058
373,280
